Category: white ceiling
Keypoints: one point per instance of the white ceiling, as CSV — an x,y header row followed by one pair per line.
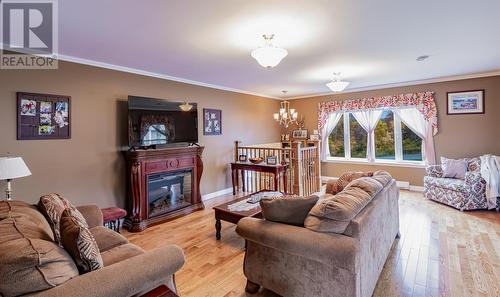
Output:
x,y
371,42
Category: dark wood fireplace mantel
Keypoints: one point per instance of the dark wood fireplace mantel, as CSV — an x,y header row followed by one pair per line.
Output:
x,y
143,163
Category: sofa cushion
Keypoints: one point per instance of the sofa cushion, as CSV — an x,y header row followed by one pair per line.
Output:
x,y
120,253
107,239
78,241
332,215
29,222
454,168
30,260
336,186
453,184
52,206
288,210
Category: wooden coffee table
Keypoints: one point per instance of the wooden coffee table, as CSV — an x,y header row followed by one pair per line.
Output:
x,y
223,213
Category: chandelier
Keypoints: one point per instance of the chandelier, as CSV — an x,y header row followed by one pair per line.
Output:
x,y
286,115
337,85
186,106
269,55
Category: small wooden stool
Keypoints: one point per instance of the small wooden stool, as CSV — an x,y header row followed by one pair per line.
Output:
x,y
112,216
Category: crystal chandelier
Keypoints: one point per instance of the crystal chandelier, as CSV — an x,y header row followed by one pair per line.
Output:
x,y
269,55
337,85
286,115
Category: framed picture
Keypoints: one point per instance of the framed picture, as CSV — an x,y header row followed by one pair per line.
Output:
x,y
300,134
465,102
242,158
212,121
272,160
43,116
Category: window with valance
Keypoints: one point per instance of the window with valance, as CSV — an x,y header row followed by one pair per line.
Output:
x,y
393,129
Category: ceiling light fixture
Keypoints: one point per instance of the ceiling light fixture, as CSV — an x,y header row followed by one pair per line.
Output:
x,y
421,58
286,115
185,106
337,85
269,55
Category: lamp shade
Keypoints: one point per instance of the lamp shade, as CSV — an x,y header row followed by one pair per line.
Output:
x,y
13,167
337,86
269,56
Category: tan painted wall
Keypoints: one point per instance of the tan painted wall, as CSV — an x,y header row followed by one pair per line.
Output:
x,y
88,168
458,136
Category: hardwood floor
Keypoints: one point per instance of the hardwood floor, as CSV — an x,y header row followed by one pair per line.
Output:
x,y
441,252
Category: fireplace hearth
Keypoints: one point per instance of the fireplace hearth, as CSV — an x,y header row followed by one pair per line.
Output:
x,y
163,184
169,191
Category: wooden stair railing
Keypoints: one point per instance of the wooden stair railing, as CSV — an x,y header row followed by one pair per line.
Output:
x,y
304,177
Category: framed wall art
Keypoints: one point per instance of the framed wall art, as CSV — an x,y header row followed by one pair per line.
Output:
x,y
299,134
212,121
465,102
43,116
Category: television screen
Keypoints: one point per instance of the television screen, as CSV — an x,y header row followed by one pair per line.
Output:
x,y
157,122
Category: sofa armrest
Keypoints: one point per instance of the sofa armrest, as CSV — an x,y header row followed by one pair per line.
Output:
x,y
92,215
473,178
126,278
434,170
332,249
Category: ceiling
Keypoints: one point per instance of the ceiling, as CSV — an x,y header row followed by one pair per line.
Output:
x,y
372,43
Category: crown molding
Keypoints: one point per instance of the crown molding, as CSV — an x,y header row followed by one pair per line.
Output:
x,y
157,75
404,84
93,63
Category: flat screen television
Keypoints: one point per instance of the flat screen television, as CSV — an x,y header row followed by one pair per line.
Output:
x,y
153,122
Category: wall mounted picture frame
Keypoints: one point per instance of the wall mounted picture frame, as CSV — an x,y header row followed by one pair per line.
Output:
x,y
465,102
212,121
242,158
43,116
299,134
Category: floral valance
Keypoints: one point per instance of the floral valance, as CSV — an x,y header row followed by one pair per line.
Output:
x,y
424,102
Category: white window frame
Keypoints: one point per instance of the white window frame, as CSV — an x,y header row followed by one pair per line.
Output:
x,y
398,147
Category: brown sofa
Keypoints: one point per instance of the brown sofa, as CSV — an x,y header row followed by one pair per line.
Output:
x,y
30,259
295,261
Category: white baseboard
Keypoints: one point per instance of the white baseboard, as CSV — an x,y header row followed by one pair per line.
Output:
x,y
401,184
216,194
416,188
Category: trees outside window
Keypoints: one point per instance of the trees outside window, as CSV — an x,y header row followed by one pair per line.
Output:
x,y
358,138
336,140
412,144
384,137
394,141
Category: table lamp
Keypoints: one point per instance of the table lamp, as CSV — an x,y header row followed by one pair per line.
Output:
x,y
10,168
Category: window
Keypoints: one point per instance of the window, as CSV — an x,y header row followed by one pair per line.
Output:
x,y
412,144
336,140
384,137
393,140
358,138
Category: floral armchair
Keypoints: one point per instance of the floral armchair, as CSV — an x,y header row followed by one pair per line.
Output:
x,y
466,194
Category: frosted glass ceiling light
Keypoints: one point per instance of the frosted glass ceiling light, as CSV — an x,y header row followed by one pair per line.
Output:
x,y
268,55
337,85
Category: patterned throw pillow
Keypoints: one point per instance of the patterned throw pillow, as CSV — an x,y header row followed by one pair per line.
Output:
x,y
337,186
78,241
52,206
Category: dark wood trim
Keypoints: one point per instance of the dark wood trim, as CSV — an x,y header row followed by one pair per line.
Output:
x,y
141,163
465,113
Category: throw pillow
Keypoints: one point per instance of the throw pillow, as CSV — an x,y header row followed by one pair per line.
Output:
x,y
454,168
336,186
52,206
288,210
78,241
